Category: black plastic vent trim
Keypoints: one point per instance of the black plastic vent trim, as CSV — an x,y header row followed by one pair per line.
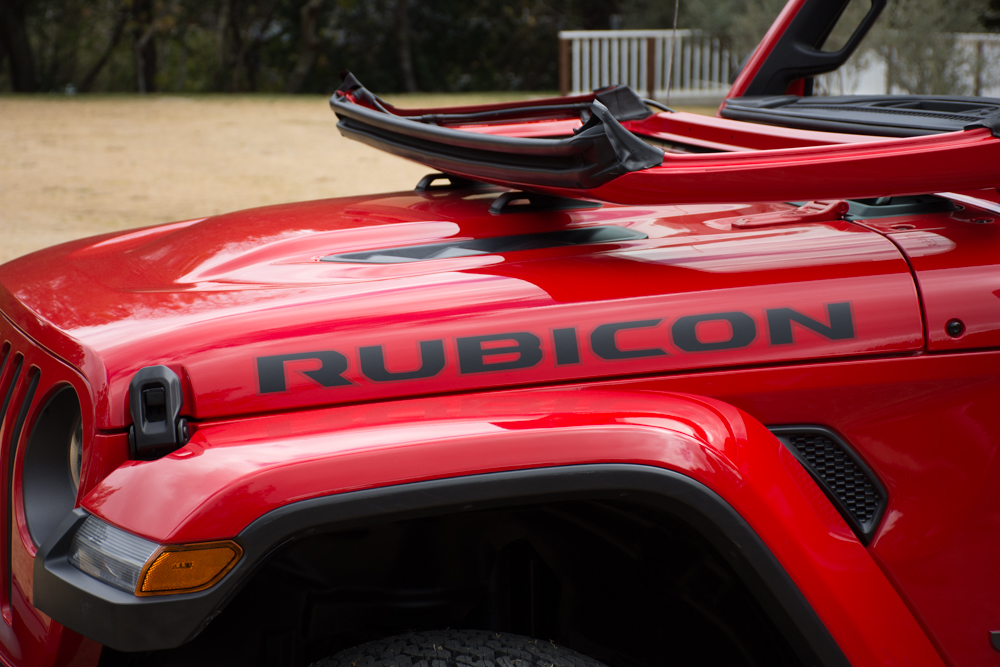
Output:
x,y
845,479
490,246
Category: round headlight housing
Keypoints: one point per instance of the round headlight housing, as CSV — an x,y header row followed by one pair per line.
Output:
x,y
53,459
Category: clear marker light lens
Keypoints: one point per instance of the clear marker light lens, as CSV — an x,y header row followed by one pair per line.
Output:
x,y
109,554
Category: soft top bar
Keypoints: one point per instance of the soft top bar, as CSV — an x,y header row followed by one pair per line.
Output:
x,y
599,151
603,160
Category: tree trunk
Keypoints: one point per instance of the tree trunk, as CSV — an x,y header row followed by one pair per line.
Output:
x,y
116,36
144,46
14,36
240,51
182,61
222,59
403,45
309,47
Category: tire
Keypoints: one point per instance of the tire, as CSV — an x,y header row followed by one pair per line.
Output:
x,y
458,648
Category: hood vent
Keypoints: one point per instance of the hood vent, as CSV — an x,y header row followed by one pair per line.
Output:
x,y
490,246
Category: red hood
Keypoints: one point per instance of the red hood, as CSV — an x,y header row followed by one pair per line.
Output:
x,y
209,298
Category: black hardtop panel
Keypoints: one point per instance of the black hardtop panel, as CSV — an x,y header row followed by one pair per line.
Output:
x,y
880,115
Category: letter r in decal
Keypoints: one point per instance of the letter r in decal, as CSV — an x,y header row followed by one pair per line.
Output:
x,y
271,370
472,356
431,363
604,345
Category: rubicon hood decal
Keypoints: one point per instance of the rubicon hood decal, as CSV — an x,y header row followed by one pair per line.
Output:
x,y
244,311
521,350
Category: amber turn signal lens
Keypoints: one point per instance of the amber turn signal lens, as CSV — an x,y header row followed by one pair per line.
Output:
x,y
188,568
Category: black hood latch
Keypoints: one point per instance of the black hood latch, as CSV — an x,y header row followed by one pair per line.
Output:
x,y
155,400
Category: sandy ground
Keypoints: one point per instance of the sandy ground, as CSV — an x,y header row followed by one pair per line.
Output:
x,y
74,167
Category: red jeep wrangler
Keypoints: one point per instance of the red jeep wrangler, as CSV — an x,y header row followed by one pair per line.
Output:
x,y
596,393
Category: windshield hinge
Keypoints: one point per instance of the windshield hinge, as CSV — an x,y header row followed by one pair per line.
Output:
x,y
814,211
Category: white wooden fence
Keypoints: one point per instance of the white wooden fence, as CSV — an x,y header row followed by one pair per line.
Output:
x,y
975,62
644,60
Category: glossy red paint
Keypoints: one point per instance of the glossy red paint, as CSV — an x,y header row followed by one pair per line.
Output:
x,y
28,637
926,426
210,301
233,472
611,378
685,129
934,544
207,310
722,134
954,258
888,167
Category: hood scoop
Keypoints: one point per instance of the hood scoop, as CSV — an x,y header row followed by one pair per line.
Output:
x,y
490,246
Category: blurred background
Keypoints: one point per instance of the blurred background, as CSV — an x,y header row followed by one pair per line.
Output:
x,y
124,113
298,46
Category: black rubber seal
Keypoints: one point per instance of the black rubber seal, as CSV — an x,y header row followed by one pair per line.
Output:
x,y
878,115
129,623
991,122
600,153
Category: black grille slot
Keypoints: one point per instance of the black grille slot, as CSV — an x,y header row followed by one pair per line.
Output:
x,y
844,478
22,414
8,380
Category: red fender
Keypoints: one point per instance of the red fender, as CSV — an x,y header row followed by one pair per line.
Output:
x,y
235,471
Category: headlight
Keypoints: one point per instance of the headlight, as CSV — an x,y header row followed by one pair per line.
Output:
x,y
109,554
136,565
52,461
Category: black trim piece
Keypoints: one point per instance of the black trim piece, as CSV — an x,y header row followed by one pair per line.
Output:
x,y
623,103
48,491
34,374
513,114
991,122
995,639
599,152
129,623
878,115
799,51
15,374
490,246
530,202
426,183
864,528
4,357
621,100
155,399
892,207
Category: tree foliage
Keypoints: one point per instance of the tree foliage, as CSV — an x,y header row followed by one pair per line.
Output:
x,y
286,45
394,45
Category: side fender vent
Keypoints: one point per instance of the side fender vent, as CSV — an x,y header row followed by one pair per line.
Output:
x,y
845,479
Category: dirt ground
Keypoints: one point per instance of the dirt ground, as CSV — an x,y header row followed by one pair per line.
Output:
x,y
74,167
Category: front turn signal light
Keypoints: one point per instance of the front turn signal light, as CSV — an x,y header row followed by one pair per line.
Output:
x,y
188,568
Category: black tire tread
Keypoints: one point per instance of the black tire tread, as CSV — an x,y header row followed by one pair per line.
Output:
x,y
458,648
